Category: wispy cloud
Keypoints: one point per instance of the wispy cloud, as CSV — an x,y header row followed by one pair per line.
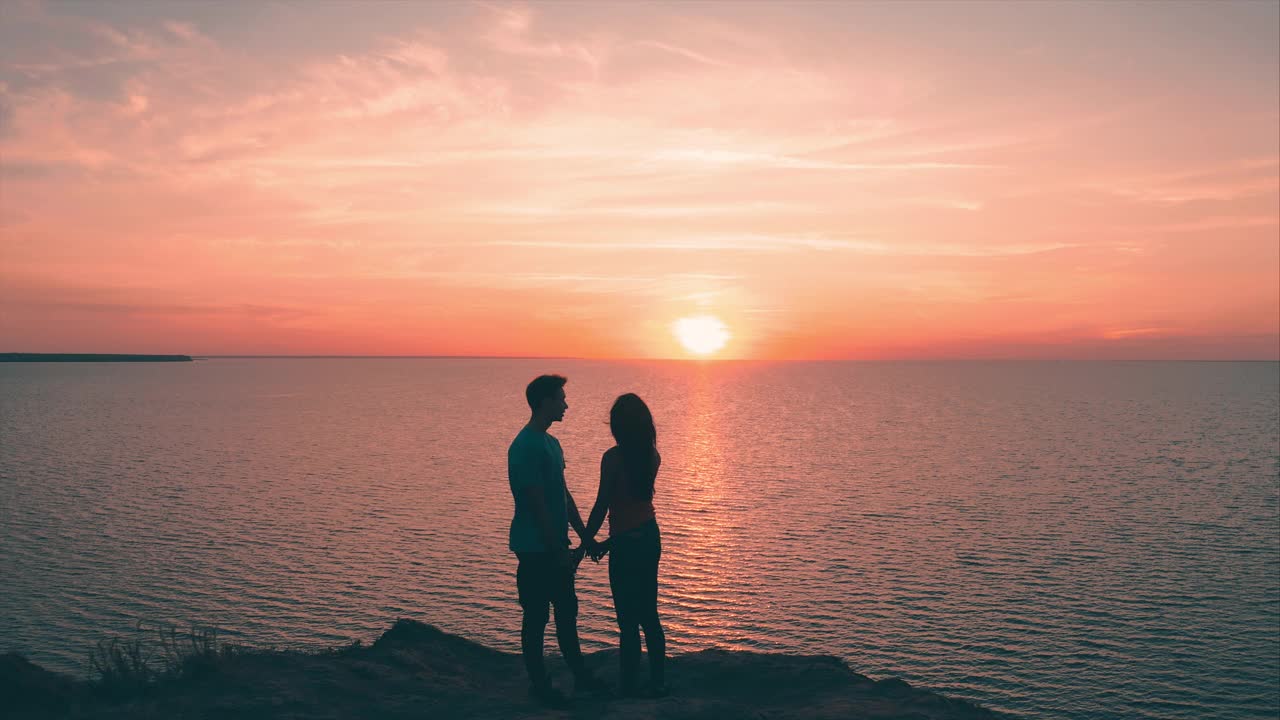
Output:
x,y
1246,178
1146,332
736,158
755,243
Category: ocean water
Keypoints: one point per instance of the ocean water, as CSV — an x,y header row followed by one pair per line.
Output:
x,y
1058,540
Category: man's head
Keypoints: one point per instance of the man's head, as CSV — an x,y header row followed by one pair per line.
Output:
x,y
546,397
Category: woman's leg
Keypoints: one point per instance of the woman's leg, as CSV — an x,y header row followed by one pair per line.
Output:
x,y
621,583
655,639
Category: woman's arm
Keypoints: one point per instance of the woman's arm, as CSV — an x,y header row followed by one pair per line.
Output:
x,y
608,470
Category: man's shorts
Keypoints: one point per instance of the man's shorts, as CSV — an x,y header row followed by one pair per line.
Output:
x,y
539,580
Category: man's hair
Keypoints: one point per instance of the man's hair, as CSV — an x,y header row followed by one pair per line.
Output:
x,y
543,387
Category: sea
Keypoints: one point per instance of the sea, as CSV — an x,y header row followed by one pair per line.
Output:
x,y
1050,539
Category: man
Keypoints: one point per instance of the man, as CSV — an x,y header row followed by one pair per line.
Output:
x,y
540,539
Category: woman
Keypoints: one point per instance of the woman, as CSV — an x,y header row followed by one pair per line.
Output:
x,y
627,474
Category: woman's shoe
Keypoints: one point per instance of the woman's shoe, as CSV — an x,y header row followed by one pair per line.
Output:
x,y
631,690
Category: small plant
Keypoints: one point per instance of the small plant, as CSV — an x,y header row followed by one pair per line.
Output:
x,y
125,666
121,665
192,654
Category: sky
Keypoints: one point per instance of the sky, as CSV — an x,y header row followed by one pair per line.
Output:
x,y
834,180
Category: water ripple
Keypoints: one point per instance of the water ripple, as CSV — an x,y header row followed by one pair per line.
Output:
x,y
1058,540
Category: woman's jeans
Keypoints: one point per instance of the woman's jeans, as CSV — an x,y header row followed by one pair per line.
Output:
x,y
633,578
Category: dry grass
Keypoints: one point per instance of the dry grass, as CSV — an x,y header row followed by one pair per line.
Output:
x,y
125,666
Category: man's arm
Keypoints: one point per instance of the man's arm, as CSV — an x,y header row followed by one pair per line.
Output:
x,y
536,501
575,518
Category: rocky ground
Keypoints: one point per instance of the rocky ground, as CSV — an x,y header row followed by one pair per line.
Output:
x,y
417,671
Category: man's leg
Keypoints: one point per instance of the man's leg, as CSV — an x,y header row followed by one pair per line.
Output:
x,y
565,600
534,601
535,582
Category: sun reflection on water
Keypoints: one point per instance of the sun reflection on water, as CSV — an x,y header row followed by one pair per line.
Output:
x,y
699,578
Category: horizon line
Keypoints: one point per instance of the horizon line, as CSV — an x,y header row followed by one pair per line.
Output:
x,y
263,356
727,359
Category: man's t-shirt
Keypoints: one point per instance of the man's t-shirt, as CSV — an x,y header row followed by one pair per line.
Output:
x,y
536,458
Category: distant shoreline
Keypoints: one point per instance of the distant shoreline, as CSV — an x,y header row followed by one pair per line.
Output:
x,y
86,357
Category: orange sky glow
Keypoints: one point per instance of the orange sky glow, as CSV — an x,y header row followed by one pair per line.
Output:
x,y
839,180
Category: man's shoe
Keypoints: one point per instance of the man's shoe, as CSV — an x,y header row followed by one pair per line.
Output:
x,y
589,683
548,696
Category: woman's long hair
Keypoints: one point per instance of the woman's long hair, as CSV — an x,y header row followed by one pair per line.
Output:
x,y
632,426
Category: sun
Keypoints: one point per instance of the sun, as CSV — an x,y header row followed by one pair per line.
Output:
x,y
701,334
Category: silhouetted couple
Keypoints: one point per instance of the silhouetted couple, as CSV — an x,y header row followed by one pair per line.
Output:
x,y
544,510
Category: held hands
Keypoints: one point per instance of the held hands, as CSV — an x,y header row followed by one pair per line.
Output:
x,y
599,551
594,550
589,548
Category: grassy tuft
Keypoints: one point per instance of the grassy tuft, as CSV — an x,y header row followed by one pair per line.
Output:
x,y
128,666
122,666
